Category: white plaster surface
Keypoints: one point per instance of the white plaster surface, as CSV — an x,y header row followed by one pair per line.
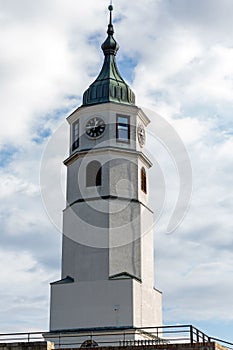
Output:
x,y
108,112
113,303
107,243
91,304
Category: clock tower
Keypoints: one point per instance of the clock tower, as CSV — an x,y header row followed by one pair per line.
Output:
x,y
107,280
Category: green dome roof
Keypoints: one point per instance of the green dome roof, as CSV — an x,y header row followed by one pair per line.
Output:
x,y
109,85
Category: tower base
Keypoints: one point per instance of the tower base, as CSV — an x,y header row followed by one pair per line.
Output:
x,y
110,303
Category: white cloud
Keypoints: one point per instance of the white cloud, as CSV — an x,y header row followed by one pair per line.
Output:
x,y
10,185
198,256
23,293
43,61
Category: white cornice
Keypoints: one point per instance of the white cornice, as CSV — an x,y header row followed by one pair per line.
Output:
x,y
143,117
105,150
116,107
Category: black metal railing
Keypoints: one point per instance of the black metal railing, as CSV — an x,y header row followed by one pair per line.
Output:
x,y
117,337
21,337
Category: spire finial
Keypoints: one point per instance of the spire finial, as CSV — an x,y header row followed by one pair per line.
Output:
x,y
110,26
110,46
110,7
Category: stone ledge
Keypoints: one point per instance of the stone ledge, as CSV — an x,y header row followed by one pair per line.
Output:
x,y
43,345
182,346
39,345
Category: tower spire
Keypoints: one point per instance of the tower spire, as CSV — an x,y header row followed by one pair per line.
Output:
x,y
110,45
109,85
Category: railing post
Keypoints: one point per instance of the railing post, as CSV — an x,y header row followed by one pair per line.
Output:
x,y
191,334
197,335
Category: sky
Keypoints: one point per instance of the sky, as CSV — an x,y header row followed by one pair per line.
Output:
x,y
177,56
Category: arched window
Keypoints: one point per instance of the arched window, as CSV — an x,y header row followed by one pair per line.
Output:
x,y
93,174
143,180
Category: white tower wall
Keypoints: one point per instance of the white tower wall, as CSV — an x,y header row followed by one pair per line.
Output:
x,y
107,256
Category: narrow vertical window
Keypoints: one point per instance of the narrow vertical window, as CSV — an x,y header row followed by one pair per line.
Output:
x,y
75,135
93,174
143,180
122,128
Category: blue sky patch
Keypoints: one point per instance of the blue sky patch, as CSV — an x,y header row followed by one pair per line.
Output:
x,y
118,18
95,39
7,153
126,67
41,134
74,102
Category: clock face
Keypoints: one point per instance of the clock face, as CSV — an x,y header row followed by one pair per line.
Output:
x,y
95,127
141,135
